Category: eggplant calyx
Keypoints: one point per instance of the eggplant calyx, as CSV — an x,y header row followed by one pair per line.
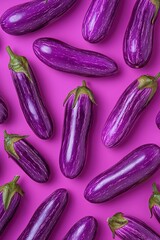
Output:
x,y
116,222
9,140
9,190
18,63
146,81
157,6
79,91
155,198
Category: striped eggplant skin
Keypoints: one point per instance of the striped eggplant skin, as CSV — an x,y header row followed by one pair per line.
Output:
x,y
128,108
66,58
77,121
134,168
154,203
98,19
33,15
10,198
29,96
27,157
138,40
84,229
3,111
45,217
128,227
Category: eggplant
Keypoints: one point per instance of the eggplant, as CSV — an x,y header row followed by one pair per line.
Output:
x,y
134,168
158,120
77,121
131,228
63,57
98,19
84,229
46,216
138,40
27,157
3,111
29,96
34,15
154,203
10,198
130,105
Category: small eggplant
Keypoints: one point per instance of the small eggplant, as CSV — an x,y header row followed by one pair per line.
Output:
x,y
10,197
158,120
138,40
154,203
131,228
31,16
98,19
133,169
84,229
3,111
128,108
29,96
77,121
63,57
46,216
27,157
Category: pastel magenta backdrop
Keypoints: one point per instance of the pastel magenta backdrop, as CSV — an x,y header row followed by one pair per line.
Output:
x,y
54,86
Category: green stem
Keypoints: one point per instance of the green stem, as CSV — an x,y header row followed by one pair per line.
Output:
x,y
10,52
16,178
18,63
84,83
155,189
157,76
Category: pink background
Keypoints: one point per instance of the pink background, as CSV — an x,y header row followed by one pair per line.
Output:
x,y
55,86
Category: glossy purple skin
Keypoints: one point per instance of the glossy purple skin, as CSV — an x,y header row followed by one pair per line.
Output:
x,y
33,15
6,215
84,229
156,212
135,229
32,105
125,113
133,169
3,111
138,40
158,120
75,132
98,19
31,161
46,216
63,57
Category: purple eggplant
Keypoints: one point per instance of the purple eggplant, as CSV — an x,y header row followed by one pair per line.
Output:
x,y
128,108
131,228
158,120
46,216
154,203
10,197
133,169
27,157
77,121
31,16
63,57
84,229
138,40
98,19
3,111
29,96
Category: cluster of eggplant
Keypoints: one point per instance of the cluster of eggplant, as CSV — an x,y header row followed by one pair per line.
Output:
x,y
133,169
45,217
97,24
